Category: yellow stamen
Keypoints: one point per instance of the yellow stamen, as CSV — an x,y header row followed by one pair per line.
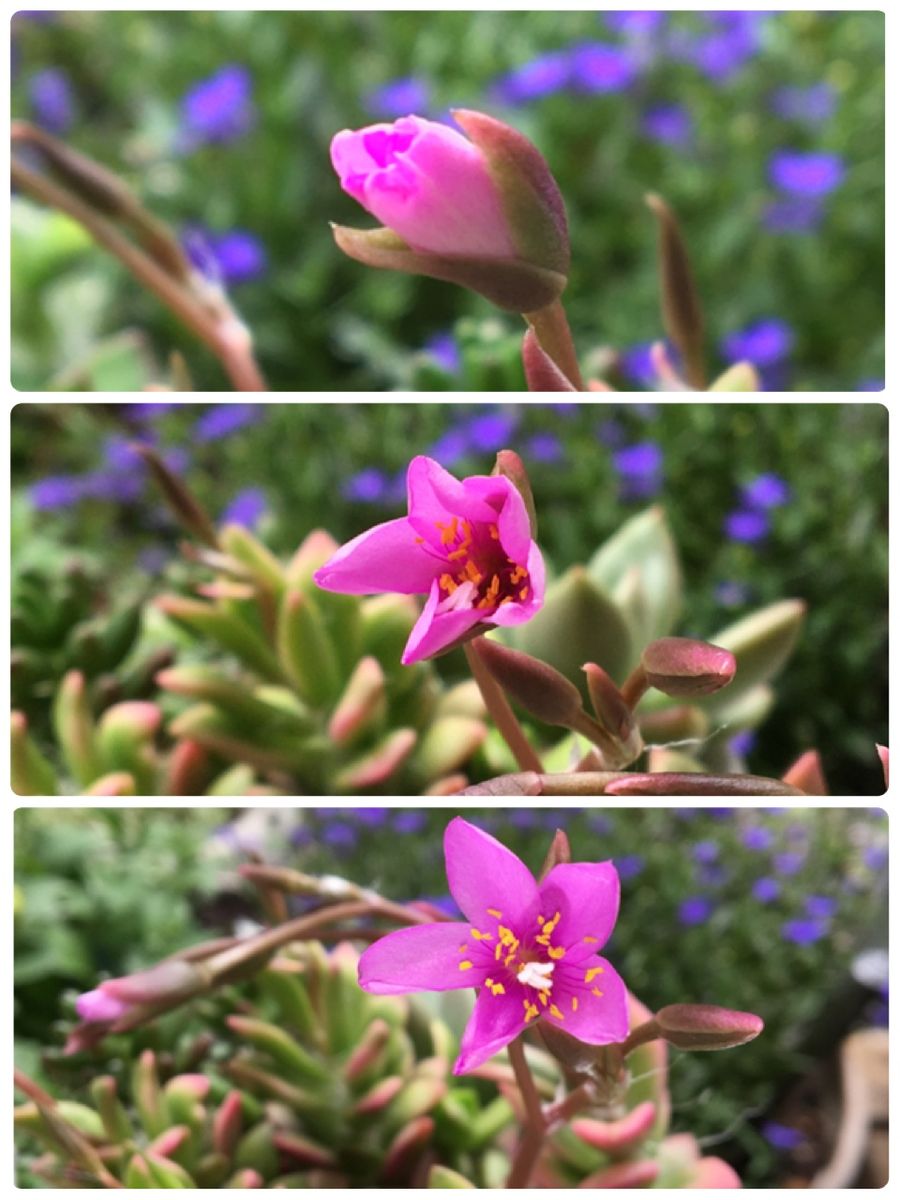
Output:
x,y
523,594
463,948
590,939
448,583
554,1012
596,992
465,965
556,951
543,998
481,937
517,574
495,912
574,1004
494,532
591,973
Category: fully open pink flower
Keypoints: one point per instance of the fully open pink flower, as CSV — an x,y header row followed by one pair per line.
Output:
x,y
530,949
466,544
428,183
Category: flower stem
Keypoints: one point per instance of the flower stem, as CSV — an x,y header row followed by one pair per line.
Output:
x,y
552,328
532,1138
499,708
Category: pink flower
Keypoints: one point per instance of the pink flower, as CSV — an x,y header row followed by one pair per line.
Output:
x,y
119,1004
530,949
465,544
428,183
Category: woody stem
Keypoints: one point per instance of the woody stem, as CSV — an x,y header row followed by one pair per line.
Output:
x,y
532,1138
498,706
551,325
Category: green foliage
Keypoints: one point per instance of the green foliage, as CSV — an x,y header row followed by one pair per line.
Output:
x,y
323,321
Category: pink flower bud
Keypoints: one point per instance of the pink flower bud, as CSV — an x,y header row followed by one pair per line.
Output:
x,y
685,667
99,1005
706,1026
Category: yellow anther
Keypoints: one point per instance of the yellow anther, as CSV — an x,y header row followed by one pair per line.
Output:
x,y
590,939
448,532
481,937
574,1004
556,951
495,912
465,965
543,939
448,583
494,532
531,1011
543,998
517,574
463,948
540,920
523,594
596,992
555,1012
420,541
497,989
591,973
498,951
472,572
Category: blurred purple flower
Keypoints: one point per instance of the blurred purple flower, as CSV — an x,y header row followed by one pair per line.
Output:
x,y
234,257
671,124
491,430
730,593
219,108
152,560
782,1137
798,214
450,448
722,54
369,486
814,103
544,447
598,67
601,824
443,349
765,491
52,100
870,385
804,932
246,508
221,420
748,527
696,910
114,485
339,835
875,857
542,76
766,890
757,838
611,432
711,875
399,97
640,470
788,862
763,343
57,491
522,818
821,906
444,904
409,821
636,364
806,173
742,743
372,817
629,866
635,24
705,852
150,410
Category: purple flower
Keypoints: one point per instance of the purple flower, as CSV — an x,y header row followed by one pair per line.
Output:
x,y
797,214
711,875
600,68
115,485
221,420
870,385
529,949
671,124
749,527
491,431
451,448
240,255
443,349
218,109
57,491
369,486
766,890
637,365
821,906
150,410
765,491
542,76
875,857
246,508
611,432
804,932
810,173
764,343
696,910
52,101
722,54
600,824
635,24
465,544
629,866
640,469
544,447
409,821
705,852
782,1137
788,862
757,838
372,817
340,836
523,818
399,97
814,104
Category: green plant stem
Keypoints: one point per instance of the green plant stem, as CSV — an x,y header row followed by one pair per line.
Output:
x,y
499,708
551,326
236,356
532,1138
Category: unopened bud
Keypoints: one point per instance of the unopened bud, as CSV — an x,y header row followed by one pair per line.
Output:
x,y
363,702
379,765
807,774
682,315
560,852
612,711
181,500
539,688
541,372
706,1026
510,466
684,667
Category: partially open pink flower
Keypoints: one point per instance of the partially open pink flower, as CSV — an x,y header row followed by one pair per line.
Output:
x,y
428,183
530,949
466,544
114,1003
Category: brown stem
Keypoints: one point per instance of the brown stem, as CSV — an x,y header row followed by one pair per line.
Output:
x,y
532,1137
235,355
499,708
635,686
576,1100
551,326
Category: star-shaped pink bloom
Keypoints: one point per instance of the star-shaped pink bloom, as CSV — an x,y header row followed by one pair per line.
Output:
x,y
465,544
530,949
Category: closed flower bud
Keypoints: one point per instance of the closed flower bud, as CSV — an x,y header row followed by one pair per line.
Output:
x,y
685,667
706,1026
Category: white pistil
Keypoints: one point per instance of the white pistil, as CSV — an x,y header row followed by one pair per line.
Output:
x,y
462,597
537,975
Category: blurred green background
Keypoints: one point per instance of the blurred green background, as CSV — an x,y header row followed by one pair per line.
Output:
x,y
766,502
761,910
764,130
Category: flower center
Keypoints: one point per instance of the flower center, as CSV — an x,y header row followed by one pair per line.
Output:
x,y
537,975
478,569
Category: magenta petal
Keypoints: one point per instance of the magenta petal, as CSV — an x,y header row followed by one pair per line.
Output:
x,y
483,875
98,1005
514,526
434,631
423,958
386,558
587,897
494,1022
436,495
595,1019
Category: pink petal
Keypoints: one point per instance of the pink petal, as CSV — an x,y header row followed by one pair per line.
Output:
x,y
494,1022
435,495
386,558
483,875
514,526
587,896
518,611
99,1005
423,958
434,631
597,1020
